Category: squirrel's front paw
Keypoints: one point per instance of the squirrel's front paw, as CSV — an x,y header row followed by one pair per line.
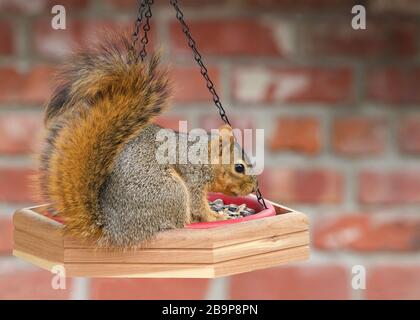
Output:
x,y
214,216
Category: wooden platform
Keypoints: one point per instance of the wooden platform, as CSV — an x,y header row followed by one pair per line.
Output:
x,y
181,253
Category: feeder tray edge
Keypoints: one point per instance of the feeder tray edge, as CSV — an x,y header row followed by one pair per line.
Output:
x,y
178,253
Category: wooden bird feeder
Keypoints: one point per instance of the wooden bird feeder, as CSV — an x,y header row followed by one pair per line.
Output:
x,y
179,253
223,250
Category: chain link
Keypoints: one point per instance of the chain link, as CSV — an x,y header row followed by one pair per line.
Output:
x,y
197,56
210,85
146,29
144,11
260,197
137,26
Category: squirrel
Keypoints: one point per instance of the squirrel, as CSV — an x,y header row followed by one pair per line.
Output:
x,y
99,168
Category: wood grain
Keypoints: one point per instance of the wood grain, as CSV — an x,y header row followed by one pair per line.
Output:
x,y
92,255
261,261
220,236
38,225
265,245
205,238
220,269
191,253
40,247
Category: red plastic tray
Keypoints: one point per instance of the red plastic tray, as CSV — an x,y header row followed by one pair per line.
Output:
x,y
250,201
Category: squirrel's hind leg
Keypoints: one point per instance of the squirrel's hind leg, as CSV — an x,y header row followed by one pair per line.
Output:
x,y
186,205
139,209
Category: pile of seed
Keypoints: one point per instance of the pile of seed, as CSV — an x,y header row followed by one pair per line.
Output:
x,y
232,210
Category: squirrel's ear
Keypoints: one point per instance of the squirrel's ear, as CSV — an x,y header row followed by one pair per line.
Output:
x,y
226,135
222,143
225,131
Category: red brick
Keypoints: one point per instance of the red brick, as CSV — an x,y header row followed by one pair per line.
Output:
x,y
302,185
214,121
234,37
293,84
7,45
129,5
190,86
239,124
29,87
70,5
393,282
15,185
35,7
20,133
402,39
303,5
168,122
394,85
199,3
6,229
408,7
409,135
359,136
30,285
206,123
336,38
296,134
121,4
149,289
52,43
311,282
396,187
367,233
22,7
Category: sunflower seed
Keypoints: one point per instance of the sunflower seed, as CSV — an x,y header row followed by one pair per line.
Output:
x,y
219,202
233,211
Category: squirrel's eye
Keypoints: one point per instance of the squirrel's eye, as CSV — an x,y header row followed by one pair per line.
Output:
x,y
239,168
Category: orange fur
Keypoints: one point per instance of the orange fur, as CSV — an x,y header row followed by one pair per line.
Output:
x,y
122,99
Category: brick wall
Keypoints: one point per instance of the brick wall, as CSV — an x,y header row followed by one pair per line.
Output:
x,y
340,113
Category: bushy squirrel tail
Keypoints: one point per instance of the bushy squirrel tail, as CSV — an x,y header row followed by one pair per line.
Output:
x,y
106,102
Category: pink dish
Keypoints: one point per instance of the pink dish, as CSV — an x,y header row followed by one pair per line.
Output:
x,y
250,201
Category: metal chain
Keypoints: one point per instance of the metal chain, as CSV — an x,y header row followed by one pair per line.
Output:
x,y
135,35
146,29
197,56
204,72
143,11
260,197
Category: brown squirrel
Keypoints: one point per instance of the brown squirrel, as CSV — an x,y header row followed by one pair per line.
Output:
x,y
99,165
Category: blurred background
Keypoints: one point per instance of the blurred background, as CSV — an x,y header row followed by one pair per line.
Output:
x,y
340,109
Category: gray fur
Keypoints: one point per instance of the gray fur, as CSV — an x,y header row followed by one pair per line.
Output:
x,y
142,197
